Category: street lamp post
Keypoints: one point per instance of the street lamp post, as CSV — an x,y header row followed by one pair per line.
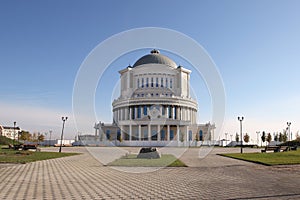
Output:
x,y
14,131
50,138
241,119
64,119
257,132
289,127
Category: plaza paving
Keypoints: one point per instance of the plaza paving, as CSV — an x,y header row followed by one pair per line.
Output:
x,y
212,177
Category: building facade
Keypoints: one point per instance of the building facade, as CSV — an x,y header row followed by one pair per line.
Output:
x,y
154,105
10,132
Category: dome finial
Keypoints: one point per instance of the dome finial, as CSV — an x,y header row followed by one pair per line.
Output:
x,y
155,51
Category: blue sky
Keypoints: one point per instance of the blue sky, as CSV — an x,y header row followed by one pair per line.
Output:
x,y
255,45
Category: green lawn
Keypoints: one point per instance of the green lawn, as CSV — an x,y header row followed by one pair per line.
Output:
x,y
131,160
282,158
13,156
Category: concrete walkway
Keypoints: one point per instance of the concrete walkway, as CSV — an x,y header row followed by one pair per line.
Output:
x,y
213,177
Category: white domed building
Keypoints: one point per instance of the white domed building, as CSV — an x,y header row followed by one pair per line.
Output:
x,y
154,107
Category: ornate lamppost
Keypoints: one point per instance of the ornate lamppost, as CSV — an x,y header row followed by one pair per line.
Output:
x,y
241,119
289,127
64,119
257,132
15,132
50,131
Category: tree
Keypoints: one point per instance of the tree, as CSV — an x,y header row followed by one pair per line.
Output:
x,y
197,138
280,137
276,138
237,138
25,136
263,137
246,138
34,137
269,138
41,138
284,138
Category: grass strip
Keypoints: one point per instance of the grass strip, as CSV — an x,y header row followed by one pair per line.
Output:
x,y
166,160
280,158
15,156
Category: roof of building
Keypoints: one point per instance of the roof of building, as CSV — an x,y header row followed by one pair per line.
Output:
x,y
9,127
155,58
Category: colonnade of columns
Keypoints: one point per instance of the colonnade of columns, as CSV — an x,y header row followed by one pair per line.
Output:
x,y
166,111
154,132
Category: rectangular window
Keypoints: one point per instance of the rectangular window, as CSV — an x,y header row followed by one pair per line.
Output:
x,y
132,113
162,82
151,82
156,82
145,110
147,82
171,83
167,82
138,83
142,82
139,112
163,110
170,111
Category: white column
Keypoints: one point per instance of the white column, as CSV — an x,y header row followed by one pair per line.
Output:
x,y
178,131
158,132
149,131
130,132
173,112
187,133
96,127
160,111
122,133
140,132
130,113
168,132
126,113
180,113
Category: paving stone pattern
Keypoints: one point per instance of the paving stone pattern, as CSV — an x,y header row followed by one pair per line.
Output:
x,y
83,177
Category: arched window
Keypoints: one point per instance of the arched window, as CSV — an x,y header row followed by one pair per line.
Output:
x,y
162,82
156,82
171,134
153,135
201,135
108,134
145,137
162,135
119,134
152,82
190,135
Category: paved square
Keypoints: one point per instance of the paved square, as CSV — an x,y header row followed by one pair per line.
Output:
x,y
214,177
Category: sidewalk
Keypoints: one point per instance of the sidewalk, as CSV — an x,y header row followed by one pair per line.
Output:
x,y
83,177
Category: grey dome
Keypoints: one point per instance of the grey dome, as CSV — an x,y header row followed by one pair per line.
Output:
x,y
155,58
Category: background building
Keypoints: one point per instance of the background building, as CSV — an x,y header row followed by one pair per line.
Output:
x,y
10,132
